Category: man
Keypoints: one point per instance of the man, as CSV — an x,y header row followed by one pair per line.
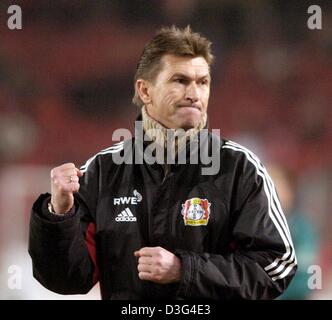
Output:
x,y
165,230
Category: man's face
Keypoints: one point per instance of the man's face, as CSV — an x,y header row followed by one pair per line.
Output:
x,y
180,93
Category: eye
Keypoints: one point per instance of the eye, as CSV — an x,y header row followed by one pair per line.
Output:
x,y
204,82
180,80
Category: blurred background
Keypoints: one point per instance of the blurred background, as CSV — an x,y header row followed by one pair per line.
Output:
x,y
66,84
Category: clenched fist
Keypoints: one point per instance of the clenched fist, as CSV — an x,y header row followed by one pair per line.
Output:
x,y
158,265
64,182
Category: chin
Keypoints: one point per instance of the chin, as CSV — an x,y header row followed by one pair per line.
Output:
x,y
189,124
188,120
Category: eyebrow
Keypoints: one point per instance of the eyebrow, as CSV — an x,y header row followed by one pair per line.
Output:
x,y
182,75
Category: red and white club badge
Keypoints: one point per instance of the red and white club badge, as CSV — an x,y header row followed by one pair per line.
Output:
x,y
196,212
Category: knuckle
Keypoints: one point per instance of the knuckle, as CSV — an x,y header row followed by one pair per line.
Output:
x,y
158,277
158,263
54,172
62,188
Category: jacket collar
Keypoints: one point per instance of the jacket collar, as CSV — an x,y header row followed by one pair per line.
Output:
x,y
155,132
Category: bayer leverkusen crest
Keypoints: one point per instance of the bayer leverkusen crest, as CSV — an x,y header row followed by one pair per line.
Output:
x,y
196,212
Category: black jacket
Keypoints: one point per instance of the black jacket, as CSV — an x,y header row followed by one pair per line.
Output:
x,y
227,228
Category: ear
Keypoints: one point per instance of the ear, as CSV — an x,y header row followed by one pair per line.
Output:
x,y
144,91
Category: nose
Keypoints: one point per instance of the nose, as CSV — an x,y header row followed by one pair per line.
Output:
x,y
192,93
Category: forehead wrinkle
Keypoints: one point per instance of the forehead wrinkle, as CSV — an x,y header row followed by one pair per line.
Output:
x,y
193,74
173,64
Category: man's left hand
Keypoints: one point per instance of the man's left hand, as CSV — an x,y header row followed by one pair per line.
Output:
x,y
158,265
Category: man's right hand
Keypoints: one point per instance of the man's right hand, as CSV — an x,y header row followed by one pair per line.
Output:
x,y
64,182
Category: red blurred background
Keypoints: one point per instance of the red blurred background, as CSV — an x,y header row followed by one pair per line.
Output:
x,y
66,83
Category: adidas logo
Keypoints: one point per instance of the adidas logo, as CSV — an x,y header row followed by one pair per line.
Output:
x,y
125,215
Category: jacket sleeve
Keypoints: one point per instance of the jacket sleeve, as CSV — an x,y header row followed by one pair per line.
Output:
x,y
62,248
263,260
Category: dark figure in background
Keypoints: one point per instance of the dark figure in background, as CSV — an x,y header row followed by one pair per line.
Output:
x,y
303,231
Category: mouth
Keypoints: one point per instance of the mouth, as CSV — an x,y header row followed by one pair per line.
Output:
x,y
191,106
